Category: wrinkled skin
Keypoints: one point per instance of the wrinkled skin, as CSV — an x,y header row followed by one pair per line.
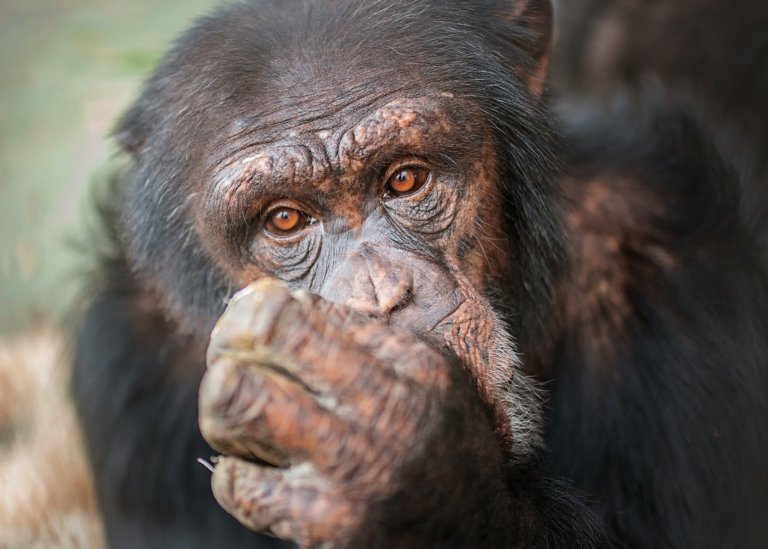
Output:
x,y
340,405
342,389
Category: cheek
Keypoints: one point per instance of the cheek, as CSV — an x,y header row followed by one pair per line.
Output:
x,y
478,248
217,244
291,261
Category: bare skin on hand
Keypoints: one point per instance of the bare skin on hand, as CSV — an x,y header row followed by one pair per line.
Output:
x,y
319,408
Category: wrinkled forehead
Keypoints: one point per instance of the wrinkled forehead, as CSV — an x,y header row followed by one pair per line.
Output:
x,y
324,91
356,122
312,148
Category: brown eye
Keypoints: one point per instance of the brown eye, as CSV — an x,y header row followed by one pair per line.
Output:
x,y
406,181
285,221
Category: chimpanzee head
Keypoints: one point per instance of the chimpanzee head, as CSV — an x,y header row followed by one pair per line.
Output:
x,y
392,155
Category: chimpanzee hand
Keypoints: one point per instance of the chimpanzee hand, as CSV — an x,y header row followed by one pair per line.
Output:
x,y
341,431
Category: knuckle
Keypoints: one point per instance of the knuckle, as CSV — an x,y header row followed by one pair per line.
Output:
x,y
252,314
229,394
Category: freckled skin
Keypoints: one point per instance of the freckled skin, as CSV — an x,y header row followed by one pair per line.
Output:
x,y
310,384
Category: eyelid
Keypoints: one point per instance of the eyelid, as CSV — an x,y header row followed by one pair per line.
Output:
x,y
407,162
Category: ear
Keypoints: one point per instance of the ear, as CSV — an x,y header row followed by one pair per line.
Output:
x,y
522,30
132,129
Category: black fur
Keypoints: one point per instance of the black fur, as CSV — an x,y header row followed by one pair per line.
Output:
x,y
660,417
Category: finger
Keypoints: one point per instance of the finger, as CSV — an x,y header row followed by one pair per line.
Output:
x,y
366,396
297,503
407,356
249,412
402,352
267,325
329,346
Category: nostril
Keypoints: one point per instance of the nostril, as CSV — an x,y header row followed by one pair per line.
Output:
x,y
392,292
405,299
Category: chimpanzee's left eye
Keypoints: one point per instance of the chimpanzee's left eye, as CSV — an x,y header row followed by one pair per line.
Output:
x,y
406,181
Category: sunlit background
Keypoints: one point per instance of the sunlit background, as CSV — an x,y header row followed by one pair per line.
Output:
x,y
67,70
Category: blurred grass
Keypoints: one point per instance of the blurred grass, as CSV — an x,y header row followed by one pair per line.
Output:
x,y
67,70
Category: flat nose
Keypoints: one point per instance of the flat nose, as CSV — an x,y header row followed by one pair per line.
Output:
x,y
371,284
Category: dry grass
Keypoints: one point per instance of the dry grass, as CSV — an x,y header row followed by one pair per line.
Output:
x,y
46,494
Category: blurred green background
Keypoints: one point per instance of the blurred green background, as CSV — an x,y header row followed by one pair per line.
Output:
x,y
67,70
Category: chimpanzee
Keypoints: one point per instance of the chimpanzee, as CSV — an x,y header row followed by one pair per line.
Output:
x,y
434,313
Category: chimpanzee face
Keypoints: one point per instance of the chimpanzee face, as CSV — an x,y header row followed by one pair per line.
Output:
x,y
398,187
384,212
